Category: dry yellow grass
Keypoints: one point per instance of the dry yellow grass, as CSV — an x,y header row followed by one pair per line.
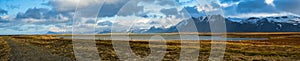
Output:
x,y
4,51
281,46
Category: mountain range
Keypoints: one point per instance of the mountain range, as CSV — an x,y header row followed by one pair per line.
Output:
x,y
252,24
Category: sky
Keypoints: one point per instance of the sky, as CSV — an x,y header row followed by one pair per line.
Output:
x,y
43,16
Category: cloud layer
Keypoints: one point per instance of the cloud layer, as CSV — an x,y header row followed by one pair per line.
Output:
x,y
267,7
2,12
128,15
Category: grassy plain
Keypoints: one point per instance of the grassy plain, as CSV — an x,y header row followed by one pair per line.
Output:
x,y
280,46
5,50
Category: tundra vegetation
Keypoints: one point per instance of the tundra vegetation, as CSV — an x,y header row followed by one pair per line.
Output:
x,y
279,47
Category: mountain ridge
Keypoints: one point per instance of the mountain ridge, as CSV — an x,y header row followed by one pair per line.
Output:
x,y
251,24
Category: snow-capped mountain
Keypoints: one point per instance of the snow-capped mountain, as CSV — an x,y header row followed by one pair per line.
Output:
x,y
283,19
252,24
267,24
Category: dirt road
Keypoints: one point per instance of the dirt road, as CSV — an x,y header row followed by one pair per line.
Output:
x,y
25,52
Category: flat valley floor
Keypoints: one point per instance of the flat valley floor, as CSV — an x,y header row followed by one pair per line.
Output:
x,y
279,47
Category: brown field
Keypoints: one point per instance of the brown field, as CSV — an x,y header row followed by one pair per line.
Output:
x,y
4,51
280,46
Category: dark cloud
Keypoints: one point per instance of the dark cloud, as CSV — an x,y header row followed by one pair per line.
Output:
x,y
194,12
105,23
36,13
229,1
42,13
2,11
131,8
167,2
3,20
255,6
5,23
86,8
250,6
230,10
44,16
292,6
285,7
90,22
215,5
172,11
110,10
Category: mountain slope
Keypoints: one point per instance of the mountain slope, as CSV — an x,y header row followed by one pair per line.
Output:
x,y
253,24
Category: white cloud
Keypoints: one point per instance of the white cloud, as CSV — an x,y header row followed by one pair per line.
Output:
x,y
207,8
58,19
67,5
125,23
225,5
32,20
270,2
5,17
57,29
